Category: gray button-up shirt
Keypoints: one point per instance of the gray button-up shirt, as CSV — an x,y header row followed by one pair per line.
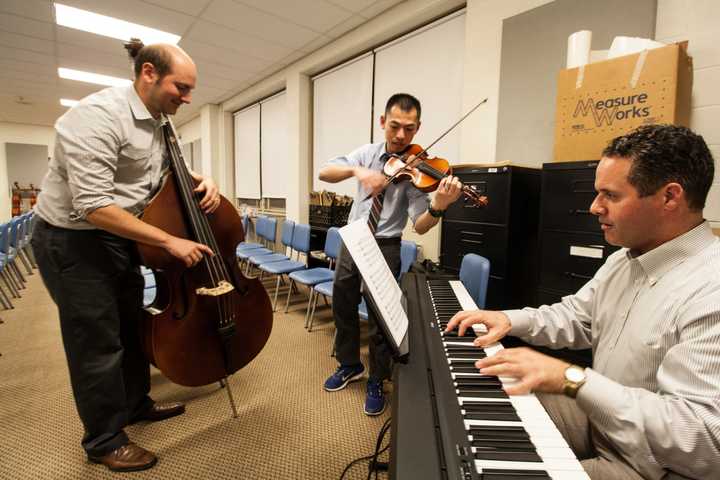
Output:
x,y
402,200
653,322
108,150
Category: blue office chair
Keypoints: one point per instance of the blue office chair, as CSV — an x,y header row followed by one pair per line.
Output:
x,y
265,229
301,244
150,290
315,276
285,239
474,275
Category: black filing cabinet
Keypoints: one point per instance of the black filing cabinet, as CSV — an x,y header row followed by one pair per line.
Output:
x,y
504,232
572,245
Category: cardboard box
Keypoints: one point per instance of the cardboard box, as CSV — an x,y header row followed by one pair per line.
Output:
x,y
600,101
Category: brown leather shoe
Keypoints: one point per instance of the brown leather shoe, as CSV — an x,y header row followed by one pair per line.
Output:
x,y
161,411
128,458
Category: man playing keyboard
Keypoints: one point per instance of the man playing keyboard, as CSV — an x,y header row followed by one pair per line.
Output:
x,y
649,406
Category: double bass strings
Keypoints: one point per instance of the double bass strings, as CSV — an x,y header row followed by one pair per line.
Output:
x,y
199,222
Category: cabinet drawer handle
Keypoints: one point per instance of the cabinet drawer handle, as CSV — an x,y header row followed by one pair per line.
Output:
x,y
579,211
478,242
467,232
577,275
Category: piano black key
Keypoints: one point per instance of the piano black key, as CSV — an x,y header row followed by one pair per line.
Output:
x,y
494,416
507,474
509,432
479,393
502,444
508,456
470,369
456,339
471,356
462,363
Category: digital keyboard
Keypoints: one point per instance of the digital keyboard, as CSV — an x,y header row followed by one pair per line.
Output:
x,y
450,421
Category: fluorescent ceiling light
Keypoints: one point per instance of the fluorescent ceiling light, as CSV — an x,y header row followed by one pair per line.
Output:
x,y
109,26
89,77
66,102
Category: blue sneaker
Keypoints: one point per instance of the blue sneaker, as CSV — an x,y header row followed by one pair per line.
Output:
x,y
375,399
343,376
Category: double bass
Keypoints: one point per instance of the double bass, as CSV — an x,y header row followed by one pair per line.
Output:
x,y
209,320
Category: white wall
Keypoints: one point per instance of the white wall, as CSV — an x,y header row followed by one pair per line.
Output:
x,y
697,22
190,131
676,20
26,164
19,133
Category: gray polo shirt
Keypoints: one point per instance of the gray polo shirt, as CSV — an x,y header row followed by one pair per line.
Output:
x,y
108,150
402,200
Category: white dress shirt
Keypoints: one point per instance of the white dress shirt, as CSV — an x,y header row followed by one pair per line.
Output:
x,y
108,150
402,200
653,322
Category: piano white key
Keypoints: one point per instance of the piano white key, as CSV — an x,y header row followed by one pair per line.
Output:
x,y
550,464
544,452
558,459
462,295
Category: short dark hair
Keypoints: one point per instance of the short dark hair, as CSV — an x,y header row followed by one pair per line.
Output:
x,y
661,154
404,102
157,55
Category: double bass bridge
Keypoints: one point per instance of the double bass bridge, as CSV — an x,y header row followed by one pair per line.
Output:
x,y
222,288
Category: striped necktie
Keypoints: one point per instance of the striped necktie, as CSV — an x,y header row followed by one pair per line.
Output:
x,y
377,203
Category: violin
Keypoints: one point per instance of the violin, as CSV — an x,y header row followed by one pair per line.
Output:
x,y
425,173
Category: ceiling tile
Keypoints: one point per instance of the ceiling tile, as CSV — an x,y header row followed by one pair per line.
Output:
x,y
37,45
349,24
70,36
317,15
49,78
378,7
260,24
26,55
70,56
138,12
36,9
26,26
229,39
38,68
315,44
210,54
223,71
190,7
353,5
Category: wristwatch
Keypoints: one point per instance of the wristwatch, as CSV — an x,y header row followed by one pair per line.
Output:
x,y
435,213
574,379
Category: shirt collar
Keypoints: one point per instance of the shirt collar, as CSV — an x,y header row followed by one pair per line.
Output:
x,y
140,111
664,258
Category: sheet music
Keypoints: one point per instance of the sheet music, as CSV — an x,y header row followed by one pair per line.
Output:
x,y
378,278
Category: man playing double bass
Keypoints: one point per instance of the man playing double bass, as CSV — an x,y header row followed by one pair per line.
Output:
x,y
109,159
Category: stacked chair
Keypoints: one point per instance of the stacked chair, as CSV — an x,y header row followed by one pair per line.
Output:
x,y
265,232
15,236
300,244
285,238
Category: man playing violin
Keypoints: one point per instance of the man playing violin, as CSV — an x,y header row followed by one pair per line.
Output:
x,y
109,160
401,201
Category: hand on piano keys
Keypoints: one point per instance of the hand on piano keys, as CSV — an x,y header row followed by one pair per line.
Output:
x,y
489,326
511,436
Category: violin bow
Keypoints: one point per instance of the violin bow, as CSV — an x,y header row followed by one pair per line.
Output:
x,y
424,151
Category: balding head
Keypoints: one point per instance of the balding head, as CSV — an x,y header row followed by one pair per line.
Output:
x,y
164,76
163,56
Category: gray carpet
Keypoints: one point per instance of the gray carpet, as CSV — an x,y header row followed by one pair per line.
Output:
x,y
288,428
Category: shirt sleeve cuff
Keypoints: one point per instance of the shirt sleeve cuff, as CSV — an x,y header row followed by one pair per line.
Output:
x,y
598,394
520,322
82,210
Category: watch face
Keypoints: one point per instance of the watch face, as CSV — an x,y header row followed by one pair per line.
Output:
x,y
575,374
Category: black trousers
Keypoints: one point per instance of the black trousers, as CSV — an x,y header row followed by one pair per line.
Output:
x,y
346,297
94,280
